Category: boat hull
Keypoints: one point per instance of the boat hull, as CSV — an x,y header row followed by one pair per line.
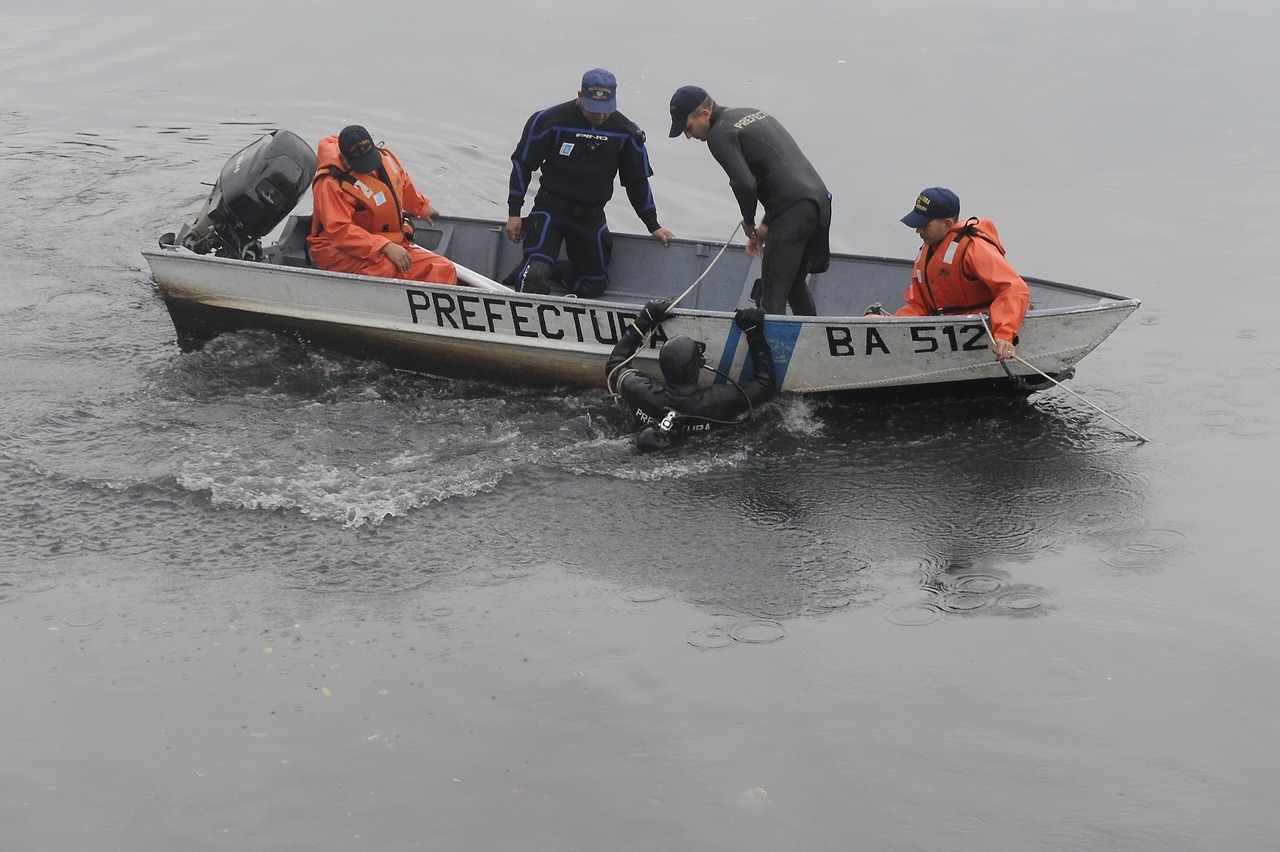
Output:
x,y
524,339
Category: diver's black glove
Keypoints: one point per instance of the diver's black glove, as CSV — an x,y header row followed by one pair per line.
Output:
x,y
653,312
750,320
876,309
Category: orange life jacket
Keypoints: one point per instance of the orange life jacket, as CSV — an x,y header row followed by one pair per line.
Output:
x,y
939,276
378,206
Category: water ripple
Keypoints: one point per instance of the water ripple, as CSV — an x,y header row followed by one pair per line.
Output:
x,y
1148,549
720,630
913,615
638,598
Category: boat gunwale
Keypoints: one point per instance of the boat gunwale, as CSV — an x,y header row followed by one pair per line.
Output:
x,y
1106,301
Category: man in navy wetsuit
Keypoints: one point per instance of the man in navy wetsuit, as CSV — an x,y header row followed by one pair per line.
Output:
x,y
765,166
579,146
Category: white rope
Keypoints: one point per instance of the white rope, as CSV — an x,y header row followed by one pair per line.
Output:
x,y
698,280
1143,438
613,381
474,279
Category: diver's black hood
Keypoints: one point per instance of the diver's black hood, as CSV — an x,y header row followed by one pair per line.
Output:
x,y
681,359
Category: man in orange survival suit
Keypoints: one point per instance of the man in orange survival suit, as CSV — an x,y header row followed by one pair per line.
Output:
x,y
361,194
961,270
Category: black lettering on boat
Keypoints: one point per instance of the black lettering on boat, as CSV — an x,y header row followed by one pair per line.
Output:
x,y
466,314
613,329
445,308
976,343
955,341
577,314
418,301
543,310
518,321
494,314
490,313
923,334
875,341
839,341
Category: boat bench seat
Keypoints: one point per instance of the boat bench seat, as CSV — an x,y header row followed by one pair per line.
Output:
x,y
291,248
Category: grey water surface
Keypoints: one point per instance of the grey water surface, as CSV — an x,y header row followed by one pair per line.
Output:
x,y
265,597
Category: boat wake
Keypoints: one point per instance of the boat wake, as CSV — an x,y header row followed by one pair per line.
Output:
x,y
271,425
355,496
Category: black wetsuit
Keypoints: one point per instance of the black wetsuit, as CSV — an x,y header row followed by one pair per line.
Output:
x,y
701,409
766,165
579,162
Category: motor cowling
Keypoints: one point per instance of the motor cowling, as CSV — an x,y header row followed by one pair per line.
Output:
x,y
258,187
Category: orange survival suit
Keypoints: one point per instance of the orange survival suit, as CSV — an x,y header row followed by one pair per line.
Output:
x,y
966,273
355,214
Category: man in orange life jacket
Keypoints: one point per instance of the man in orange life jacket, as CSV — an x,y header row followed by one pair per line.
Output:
x,y
361,195
961,270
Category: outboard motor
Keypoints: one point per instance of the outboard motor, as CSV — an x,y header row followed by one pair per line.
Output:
x,y
258,187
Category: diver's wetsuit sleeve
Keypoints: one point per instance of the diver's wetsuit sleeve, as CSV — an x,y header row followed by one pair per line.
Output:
x,y
647,397
625,348
720,405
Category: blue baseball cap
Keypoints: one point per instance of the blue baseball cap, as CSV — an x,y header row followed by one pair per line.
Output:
x,y
684,101
599,91
357,148
936,202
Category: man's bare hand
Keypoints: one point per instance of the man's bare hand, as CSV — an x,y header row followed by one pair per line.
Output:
x,y
663,236
399,255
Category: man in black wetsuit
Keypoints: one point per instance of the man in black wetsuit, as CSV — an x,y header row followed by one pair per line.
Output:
x,y
765,165
667,410
580,146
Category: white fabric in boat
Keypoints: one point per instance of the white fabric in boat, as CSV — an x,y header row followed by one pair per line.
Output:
x,y
474,279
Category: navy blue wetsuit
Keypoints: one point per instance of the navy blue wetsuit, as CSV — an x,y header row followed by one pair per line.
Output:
x,y
766,166
579,162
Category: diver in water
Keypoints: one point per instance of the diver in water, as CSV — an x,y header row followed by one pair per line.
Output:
x,y
667,410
